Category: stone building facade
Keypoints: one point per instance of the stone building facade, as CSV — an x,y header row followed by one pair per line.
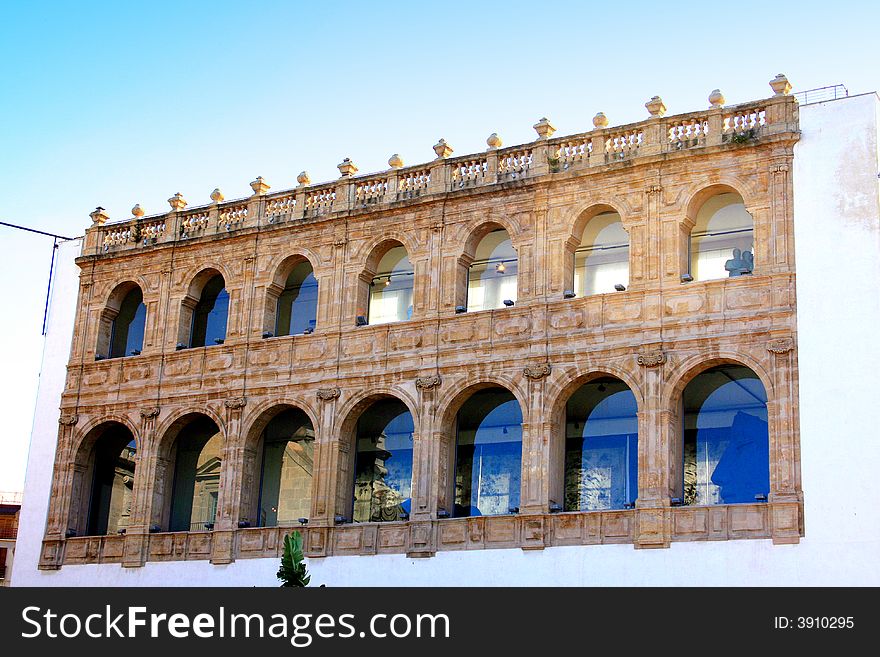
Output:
x,y
655,335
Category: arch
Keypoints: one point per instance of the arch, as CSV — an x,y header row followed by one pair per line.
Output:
x,y
122,323
349,429
292,298
204,310
492,269
461,390
390,279
722,231
486,479
691,367
698,192
104,466
601,252
599,440
278,466
189,469
725,437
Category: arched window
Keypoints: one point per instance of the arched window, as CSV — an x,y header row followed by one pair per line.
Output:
x,y
488,454
197,466
127,330
391,290
105,472
492,274
602,259
297,309
209,316
601,447
287,467
726,443
722,240
383,463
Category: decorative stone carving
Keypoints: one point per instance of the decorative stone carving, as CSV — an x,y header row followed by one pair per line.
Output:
x,y
340,242
655,106
600,121
428,382
494,141
149,413
328,394
99,216
395,161
177,202
235,403
259,186
346,168
653,189
137,211
780,85
303,179
536,372
68,419
217,195
780,345
654,358
544,128
716,98
442,149
779,169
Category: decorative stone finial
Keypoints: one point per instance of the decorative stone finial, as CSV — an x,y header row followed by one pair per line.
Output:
x,y
177,202
346,168
303,179
217,195
494,141
544,128
99,216
655,106
395,161
716,98
137,211
600,120
259,186
442,149
780,85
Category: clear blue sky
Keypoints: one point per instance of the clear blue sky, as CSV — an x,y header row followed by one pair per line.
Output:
x,y
120,103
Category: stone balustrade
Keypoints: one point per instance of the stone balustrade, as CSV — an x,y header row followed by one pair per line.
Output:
x,y
657,136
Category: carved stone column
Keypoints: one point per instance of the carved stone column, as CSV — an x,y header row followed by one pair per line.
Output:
x,y
52,552
534,497
786,497
653,519
423,506
134,551
229,496
325,475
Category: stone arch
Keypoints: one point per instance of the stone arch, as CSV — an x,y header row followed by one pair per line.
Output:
x,y
110,312
100,497
350,413
193,295
370,257
280,269
254,425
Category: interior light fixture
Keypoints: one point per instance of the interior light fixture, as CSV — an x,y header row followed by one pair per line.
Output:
x,y
500,267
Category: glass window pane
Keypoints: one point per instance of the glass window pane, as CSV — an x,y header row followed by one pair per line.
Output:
x,y
298,303
196,477
112,481
383,463
488,454
722,241
391,290
288,464
602,259
601,447
209,317
127,331
492,277
726,440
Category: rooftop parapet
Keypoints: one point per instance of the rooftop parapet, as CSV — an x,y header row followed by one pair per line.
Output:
x,y
546,156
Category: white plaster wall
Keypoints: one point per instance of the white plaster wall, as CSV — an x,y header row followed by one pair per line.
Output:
x,y
837,232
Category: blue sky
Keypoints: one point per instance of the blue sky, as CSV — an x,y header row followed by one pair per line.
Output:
x,y
114,104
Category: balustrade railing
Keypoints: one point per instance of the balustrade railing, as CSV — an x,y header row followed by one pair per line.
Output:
x,y
548,155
